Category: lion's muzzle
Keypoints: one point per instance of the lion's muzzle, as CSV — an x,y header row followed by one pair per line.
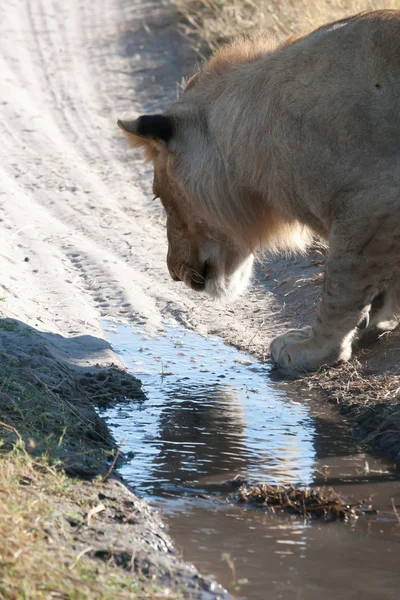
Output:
x,y
190,276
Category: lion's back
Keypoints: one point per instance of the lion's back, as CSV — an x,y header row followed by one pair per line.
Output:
x,y
348,75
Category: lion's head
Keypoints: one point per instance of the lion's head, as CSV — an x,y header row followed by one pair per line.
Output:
x,y
201,253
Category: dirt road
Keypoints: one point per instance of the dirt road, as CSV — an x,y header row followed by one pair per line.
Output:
x,y
78,236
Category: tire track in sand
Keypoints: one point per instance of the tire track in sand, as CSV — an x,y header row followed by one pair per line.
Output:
x,y
61,179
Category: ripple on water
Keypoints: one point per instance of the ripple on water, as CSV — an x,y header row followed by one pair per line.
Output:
x,y
210,411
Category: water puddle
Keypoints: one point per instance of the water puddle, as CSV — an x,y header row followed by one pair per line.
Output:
x,y
212,414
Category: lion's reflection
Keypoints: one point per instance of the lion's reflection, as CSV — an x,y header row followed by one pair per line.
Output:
x,y
201,432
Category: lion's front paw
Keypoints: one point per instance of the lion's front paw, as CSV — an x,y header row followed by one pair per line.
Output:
x,y
283,345
299,350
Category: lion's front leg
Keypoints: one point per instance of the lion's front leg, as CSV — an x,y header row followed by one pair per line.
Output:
x,y
347,294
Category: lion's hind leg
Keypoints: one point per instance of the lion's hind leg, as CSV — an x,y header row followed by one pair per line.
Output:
x,y
384,315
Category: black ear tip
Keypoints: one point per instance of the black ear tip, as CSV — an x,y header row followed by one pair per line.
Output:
x,y
155,126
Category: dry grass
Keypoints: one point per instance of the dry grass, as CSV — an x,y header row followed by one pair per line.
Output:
x,y
211,22
308,502
38,556
353,380
370,401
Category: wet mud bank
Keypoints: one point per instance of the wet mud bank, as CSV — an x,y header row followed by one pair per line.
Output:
x,y
366,389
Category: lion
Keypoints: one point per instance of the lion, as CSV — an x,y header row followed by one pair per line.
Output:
x,y
272,145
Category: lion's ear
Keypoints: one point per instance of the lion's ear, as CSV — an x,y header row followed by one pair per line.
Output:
x,y
151,132
150,127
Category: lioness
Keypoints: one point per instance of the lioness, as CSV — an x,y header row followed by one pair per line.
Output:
x,y
268,145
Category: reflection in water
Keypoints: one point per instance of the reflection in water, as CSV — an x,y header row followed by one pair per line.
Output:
x,y
209,414
212,414
194,429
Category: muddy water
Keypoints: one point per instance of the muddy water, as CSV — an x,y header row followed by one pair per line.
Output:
x,y
212,414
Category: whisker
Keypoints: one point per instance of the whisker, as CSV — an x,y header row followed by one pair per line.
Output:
x,y
198,275
190,251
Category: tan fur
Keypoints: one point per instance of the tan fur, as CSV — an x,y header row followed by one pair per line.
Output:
x,y
273,145
151,148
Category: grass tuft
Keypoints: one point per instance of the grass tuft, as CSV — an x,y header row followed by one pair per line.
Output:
x,y
370,400
37,557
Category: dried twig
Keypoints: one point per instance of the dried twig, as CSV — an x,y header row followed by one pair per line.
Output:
x,y
112,465
395,510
